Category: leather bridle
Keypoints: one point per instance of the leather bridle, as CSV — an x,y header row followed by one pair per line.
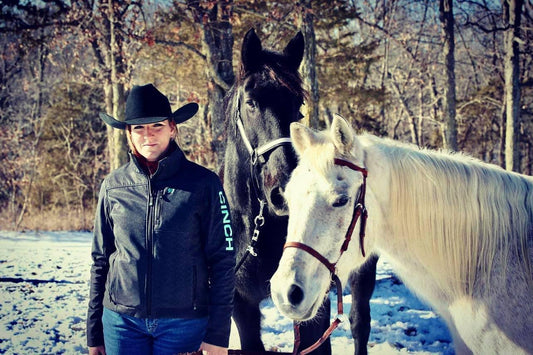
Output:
x,y
359,211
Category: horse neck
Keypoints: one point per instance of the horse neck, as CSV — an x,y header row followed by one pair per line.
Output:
x,y
427,213
381,234
236,177
377,190
236,158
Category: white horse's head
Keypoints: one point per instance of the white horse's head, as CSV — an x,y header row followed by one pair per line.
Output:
x,y
321,196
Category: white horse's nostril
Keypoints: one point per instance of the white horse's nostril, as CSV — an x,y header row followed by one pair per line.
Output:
x,y
296,295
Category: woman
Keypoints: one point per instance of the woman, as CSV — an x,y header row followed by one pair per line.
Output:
x,y
162,277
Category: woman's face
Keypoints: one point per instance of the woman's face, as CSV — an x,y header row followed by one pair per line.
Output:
x,y
151,140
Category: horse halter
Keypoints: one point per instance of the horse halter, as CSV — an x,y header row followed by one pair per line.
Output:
x,y
257,154
359,211
257,159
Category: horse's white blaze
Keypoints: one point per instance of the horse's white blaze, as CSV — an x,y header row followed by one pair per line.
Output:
x,y
458,232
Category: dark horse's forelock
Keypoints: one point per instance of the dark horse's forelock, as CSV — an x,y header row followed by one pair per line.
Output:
x,y
280,74
271,72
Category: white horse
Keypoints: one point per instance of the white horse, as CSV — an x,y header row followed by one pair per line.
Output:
x,y
457,231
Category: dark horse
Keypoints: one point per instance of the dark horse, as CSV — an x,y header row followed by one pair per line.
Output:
x,y
265,99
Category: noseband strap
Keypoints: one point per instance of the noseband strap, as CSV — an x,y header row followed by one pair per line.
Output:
x,y
262,150
313,252
258,153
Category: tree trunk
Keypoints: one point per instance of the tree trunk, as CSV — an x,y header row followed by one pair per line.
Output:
x,y
118,146
116,139
446,17
512,11
119,137
309,66
218,41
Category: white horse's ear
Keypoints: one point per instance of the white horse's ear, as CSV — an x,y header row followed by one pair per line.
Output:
x,y
302,137
343,134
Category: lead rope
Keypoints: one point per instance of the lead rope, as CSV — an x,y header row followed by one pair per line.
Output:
x,y
259,221
331,328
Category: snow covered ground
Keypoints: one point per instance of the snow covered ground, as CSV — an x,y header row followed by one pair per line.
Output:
x,y
44,291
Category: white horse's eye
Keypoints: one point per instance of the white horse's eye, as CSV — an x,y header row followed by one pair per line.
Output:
x,y
341,201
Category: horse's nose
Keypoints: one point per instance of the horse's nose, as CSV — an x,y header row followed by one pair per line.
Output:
x,y
296,295
278,201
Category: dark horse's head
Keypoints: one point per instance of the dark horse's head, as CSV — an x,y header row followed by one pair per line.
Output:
x,y
265,99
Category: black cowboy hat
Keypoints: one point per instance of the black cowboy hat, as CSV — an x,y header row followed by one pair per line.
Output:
x,y
146,104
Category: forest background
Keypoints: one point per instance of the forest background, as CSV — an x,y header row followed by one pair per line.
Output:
x,y
437,73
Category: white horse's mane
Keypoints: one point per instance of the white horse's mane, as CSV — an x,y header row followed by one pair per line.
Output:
x,y
457,212
458,231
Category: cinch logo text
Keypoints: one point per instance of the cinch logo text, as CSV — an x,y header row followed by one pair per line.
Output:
x,y
228,232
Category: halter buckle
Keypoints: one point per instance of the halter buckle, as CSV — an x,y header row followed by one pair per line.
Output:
x,y
259,221
256,157
255,235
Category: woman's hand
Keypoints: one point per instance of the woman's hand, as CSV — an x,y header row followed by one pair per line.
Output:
x,y
97,350
213,349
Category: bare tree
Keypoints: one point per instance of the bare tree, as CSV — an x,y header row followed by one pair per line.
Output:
x,y
512,13
114,87
447,19
215,21
112,28
23,99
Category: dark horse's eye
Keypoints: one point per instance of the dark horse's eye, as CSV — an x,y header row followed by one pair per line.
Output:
x,y
341,201
251,103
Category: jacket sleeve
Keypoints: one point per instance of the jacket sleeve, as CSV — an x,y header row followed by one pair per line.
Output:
x,y
102,248
220,256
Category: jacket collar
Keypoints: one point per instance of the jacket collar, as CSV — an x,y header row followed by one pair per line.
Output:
x,y
167,166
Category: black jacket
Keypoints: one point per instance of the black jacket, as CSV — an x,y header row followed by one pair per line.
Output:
x,y
163,247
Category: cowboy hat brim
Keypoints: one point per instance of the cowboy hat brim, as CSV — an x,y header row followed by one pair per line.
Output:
x,y
179,116
185,112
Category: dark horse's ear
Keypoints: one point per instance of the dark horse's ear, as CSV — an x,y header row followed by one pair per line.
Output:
x,y
295,51
251,51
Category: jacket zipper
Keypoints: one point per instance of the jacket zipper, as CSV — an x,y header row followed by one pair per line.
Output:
x,y
194,286
149,249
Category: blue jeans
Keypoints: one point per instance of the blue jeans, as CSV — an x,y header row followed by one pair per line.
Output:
x,y
126,335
